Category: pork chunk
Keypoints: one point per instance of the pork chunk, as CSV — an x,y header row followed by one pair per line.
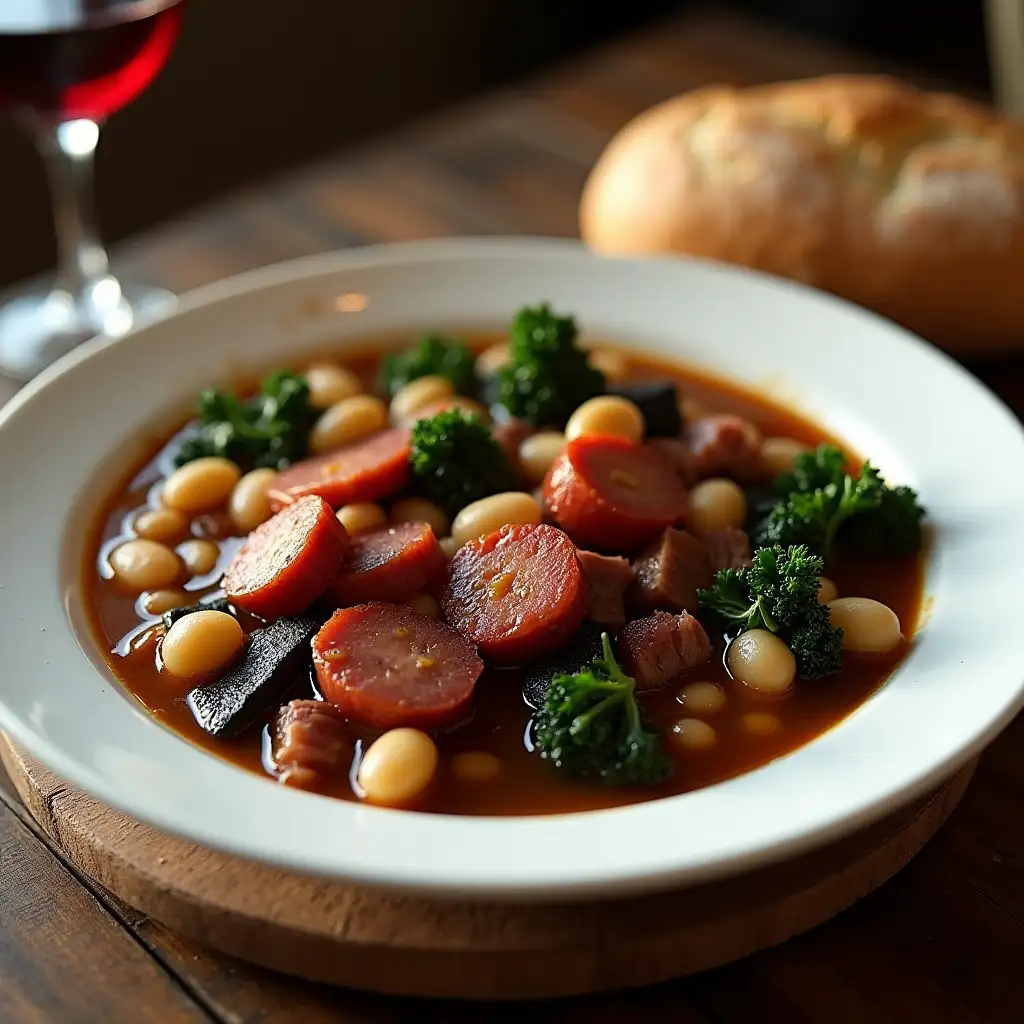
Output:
x,y
725,445
310,744
727,549
670,572
658,649
609,578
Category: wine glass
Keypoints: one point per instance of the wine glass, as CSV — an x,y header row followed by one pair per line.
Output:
x,y
65,65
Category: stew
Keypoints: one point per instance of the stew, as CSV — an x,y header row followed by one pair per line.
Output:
x,y
502,576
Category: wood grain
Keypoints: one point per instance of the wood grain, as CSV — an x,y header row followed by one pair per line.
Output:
x,y
62,957
414,946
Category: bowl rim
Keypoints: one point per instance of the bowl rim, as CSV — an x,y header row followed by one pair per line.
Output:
x,y
808,829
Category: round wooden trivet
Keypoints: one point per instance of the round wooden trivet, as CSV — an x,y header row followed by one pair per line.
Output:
x,y
415,946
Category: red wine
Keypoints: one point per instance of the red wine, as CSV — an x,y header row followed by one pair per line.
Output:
x,y
83,58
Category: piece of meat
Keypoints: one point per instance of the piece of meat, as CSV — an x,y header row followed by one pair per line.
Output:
x,y
611,494
660,648
285,564
310,746
608,577
388,563
678,453
369,469
516,593
670,571
386,666
725,445
727,549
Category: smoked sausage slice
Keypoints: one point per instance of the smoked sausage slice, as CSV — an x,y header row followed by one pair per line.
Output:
x,y
516,593
611,494
388,563
385,666
286,563
365,470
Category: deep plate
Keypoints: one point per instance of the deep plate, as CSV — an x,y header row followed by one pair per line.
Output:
x,y
920,417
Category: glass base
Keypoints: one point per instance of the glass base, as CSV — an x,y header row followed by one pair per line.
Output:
x,y
38,328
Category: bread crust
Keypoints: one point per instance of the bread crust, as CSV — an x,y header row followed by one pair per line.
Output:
x,y
908,202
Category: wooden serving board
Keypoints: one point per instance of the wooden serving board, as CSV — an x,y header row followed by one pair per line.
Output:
x,y
416,946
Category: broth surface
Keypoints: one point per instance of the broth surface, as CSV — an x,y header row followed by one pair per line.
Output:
x,y
500,724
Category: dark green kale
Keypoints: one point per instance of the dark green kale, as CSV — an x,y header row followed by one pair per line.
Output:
x,y
779,592
270,429
893,528
591,727
455,460
547,375
434,354
824,507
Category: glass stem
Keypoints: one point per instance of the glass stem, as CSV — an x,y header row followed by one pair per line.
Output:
x,y
68,150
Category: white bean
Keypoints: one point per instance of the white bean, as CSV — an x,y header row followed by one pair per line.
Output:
x,y
448,546
362,516
475,766
538,451
779,453
489,514
702,698
717,504
606,416
347,421
693,734
199,556
761,723
156,602
330,384
762,661
145,565
397,767
416,394
201,643
492,359
419,510
869,627
161,524
249,504
200,486
827,590
463,404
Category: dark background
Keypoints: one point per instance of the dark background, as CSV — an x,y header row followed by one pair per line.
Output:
x,y
257,86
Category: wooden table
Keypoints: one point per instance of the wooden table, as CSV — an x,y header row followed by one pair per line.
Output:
x,y
943,942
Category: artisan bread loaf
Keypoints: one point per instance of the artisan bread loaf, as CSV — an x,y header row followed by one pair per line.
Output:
x,y
908,202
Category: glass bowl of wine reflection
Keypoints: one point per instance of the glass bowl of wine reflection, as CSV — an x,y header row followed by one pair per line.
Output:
x,y
64,68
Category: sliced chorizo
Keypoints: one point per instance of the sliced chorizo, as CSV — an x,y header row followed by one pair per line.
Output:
x,y
516,593
385,666
611,494
369,469
286,563
388,563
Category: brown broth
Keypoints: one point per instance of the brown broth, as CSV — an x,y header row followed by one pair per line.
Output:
x,y
526,784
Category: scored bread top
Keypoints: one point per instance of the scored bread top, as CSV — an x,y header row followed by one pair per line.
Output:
x,y
907,202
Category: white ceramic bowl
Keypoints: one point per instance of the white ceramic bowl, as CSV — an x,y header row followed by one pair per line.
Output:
x,y
67,436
